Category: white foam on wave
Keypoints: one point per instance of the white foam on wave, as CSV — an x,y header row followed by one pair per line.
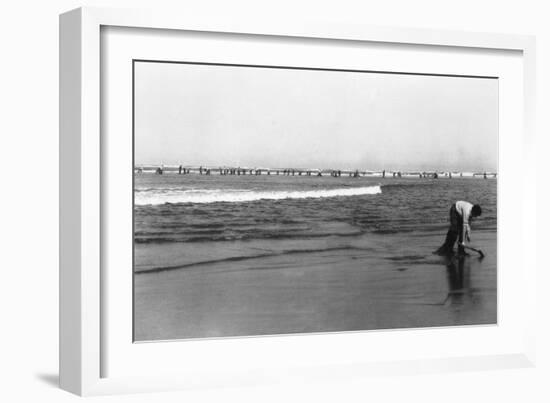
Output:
x,y
236,196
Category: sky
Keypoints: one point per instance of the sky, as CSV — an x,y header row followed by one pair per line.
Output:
x,y
266,117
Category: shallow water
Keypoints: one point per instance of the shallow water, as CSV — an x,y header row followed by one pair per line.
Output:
x,y
187,208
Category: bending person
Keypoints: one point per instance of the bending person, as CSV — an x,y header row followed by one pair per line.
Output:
x,y
460,216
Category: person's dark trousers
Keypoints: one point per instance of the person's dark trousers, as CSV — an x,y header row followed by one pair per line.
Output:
x,y
454,233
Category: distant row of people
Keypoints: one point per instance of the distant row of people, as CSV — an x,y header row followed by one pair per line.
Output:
x,y
292,172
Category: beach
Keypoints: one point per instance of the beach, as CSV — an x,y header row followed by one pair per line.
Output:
x,y
286,265
360,288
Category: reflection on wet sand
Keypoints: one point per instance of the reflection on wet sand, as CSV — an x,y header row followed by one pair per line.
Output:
x,y
458,277
461,292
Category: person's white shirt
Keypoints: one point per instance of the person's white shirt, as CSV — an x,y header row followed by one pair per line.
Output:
x,y
464,210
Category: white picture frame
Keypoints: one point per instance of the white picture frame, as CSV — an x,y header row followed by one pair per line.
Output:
x,y
82,295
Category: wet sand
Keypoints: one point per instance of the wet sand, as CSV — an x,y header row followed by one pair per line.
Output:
x,y
341,283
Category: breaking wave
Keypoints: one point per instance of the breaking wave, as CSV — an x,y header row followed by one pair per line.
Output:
x,y
156,197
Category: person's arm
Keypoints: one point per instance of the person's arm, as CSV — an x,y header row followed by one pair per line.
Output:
x,y
466,229
465,226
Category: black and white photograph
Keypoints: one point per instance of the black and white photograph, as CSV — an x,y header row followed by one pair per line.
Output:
x,y
273,200
277,201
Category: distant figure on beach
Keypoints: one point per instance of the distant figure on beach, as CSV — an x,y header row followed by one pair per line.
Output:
x,y
460,216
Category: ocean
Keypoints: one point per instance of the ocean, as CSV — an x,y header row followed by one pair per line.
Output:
x,y
227,255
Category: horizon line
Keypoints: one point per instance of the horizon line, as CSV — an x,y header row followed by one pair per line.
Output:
x,y
153,166
297,168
